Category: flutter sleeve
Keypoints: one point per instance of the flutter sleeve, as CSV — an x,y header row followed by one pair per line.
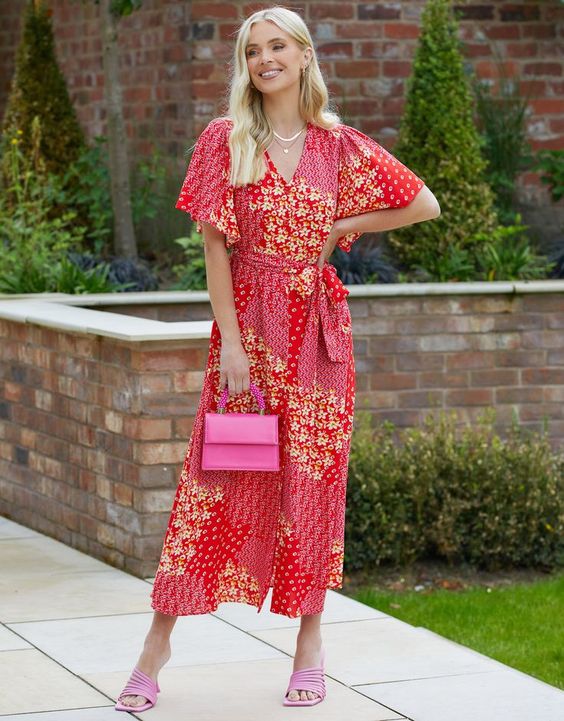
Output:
x,y
206,193
370,178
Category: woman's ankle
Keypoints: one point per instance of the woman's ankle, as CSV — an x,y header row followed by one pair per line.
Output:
x,y
158,643
309,635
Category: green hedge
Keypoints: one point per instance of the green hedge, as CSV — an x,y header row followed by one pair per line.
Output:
x,y
460,494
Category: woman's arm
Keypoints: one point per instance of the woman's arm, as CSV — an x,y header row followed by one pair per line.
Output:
x,y
423,207
234,366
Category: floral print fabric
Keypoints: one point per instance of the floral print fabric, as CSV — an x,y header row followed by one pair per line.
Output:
x,y
233,535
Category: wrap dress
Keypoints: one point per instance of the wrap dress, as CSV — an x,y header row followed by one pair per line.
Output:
x,y
232,535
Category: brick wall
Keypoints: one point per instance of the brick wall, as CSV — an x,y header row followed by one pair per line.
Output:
x,y
174,54
93,431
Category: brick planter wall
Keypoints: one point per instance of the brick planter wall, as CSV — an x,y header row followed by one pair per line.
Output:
x,y
94,434
94,430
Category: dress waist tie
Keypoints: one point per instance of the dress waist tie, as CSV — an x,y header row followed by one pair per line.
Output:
x,y
325,289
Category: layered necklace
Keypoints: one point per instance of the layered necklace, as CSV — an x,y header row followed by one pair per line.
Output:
x,y
294,138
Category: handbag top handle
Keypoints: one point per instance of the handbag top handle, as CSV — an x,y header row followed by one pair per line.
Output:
x,y
254,390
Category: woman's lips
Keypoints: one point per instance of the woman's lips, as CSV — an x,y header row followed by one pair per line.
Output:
x,y
274,75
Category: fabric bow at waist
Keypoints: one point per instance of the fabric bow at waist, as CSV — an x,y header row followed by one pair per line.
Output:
x,y
325,290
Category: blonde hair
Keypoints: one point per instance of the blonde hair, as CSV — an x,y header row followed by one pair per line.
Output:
x,y
252,133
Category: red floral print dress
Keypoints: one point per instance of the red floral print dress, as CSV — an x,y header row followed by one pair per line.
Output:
x,y
234,534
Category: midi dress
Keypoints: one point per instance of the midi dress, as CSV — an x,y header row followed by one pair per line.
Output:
x,y
233,534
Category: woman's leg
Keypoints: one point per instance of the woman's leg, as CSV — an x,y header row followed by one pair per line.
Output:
x,y
156,652
308,652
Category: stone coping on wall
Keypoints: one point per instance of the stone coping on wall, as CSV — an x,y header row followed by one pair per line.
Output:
x,y
66,312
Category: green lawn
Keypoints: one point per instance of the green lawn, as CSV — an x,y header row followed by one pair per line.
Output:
x,y
520,625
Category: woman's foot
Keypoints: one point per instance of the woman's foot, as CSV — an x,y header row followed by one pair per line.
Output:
x,y
308,654
154,656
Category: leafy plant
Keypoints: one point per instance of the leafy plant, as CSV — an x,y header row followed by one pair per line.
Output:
x,y
131,274
502,121
88,188
191,273
508,255
456,264
551,162
364,263
31,239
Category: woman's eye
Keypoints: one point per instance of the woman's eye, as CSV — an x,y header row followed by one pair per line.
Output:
x,y
279,47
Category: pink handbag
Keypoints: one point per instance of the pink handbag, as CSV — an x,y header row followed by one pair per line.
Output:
x,y
241,441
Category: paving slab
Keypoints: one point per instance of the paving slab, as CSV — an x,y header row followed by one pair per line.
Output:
x,y
382,650
114,643
103,713
10,529
72,594
41,554
33,682
10,641
499,695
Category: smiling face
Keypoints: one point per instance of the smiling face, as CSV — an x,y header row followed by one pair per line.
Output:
x,y
271,49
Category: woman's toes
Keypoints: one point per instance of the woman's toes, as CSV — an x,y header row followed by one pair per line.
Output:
x,y
311,694
133,700
293,695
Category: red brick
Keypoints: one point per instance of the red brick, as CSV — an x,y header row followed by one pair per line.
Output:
x,y
217,11
538,411
469,397
521,358
331,11
376,399
123,494
470,359
542,376
381,363
443,380
495,377
518,394
152,453
401,31
420,361
402,418
420,399
542,339
392,381
148,428
184,359
358,68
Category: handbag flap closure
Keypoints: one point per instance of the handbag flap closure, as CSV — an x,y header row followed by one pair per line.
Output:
x,y
242,428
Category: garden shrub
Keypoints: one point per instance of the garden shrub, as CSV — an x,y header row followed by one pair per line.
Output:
x,y
458,494
438,140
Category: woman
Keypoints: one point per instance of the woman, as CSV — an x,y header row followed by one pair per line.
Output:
x,y
281,182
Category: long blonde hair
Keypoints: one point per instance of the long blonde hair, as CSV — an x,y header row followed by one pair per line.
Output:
x,y
252,133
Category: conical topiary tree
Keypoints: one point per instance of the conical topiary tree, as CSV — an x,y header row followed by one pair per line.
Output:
x,y
439,141
39,89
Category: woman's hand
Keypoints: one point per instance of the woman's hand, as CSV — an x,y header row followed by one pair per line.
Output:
x,y
330,242
234,368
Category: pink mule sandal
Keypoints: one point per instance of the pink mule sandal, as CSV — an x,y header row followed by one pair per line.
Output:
x,y
308,679
139,684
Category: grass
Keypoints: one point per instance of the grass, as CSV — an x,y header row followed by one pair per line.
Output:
x,y
519,625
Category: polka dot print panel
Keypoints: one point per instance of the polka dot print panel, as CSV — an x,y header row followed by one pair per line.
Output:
x,y
233,535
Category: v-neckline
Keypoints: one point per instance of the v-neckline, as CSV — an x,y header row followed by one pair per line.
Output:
x,y
300,161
